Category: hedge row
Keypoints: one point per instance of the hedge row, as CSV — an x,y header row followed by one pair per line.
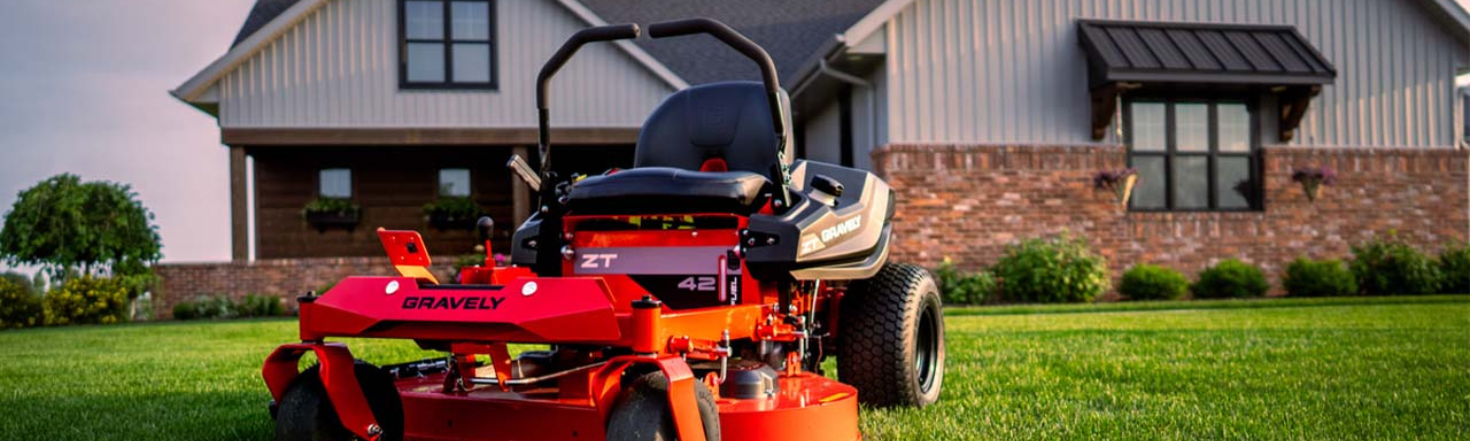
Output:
x,y
220,307
1064,269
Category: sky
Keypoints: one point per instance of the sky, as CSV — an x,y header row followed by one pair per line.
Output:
x,y
84,89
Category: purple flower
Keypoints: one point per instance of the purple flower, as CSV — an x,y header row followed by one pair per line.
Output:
x,y
1108,178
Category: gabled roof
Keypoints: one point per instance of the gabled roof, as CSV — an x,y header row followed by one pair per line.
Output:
x,y
1133,51
262,13
268,19
791,31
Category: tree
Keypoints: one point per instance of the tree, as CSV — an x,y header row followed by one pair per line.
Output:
x,y
69,227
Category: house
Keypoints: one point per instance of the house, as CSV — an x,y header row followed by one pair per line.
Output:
x,y
989,117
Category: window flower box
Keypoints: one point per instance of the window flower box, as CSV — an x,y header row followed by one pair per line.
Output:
x,y
327,213
452,213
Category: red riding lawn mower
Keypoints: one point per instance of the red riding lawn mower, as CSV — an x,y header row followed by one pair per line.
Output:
x,y
692,297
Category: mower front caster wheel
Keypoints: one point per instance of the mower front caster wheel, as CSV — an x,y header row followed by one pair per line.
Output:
x,y
306,414
890,343
644,415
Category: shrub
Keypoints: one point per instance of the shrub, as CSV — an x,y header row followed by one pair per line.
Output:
x,y
19,307
259,306
1230,279
963,289
1388,266
1062,269
87,300
453,207
25,283
220,307
327,205
1454,262
1318,278
204,307
1152,282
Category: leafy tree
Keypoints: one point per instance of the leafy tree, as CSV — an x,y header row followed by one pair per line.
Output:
x,y
69,228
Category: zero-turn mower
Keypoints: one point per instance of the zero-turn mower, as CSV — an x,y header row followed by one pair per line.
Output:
x,y
692,297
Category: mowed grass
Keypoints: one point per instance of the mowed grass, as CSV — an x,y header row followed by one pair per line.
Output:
x,y
1291,370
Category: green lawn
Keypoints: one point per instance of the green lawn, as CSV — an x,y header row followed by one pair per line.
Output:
x,y
1272,369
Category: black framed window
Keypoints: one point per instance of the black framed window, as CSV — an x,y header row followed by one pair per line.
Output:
x,y
1192,155
446,44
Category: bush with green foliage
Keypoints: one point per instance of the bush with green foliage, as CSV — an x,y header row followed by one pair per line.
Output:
x,y
333,206
1318,278
960,288
453,207
26,283
1230,278
19,306
220,307
1153,282
1389,266
87,300
72,228
204,307
1056,270
259,306
1454,263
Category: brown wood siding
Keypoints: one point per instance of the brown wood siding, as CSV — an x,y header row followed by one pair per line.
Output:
x,y
391,185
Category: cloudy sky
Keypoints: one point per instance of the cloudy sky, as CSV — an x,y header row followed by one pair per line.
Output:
x,y
84,89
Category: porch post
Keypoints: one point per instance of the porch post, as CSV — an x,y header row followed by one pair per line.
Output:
x,y
239,210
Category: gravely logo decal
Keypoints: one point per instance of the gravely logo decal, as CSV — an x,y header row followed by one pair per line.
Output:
x,y
426,302
812,243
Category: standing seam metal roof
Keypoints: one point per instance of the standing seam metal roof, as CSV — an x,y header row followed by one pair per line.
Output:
x,y
1133,51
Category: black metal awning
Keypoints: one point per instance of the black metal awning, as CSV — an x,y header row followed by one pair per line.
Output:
x,y
1128,55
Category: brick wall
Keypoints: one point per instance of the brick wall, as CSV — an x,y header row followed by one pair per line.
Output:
x,y
285,278
969,201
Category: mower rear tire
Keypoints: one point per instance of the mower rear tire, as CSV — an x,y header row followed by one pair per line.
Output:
x,y
306,414
644,414
890,342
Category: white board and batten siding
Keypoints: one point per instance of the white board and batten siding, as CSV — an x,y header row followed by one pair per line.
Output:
x,y
338,68
1002,71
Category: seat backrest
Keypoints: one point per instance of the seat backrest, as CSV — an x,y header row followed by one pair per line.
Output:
x,y
728,120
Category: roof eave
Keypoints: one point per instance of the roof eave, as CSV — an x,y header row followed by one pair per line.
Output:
x,y
190,90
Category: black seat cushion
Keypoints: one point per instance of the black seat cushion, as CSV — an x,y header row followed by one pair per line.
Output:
x,y
730,121
664,190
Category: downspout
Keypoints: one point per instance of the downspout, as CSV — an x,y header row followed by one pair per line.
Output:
x,y
824,69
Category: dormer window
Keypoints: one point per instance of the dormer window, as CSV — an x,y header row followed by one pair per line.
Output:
x,y
446,44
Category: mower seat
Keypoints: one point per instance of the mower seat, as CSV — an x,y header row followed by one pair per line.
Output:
x,y
665,190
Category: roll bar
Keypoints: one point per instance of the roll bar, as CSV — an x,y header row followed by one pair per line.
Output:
x,y
738,42
543,81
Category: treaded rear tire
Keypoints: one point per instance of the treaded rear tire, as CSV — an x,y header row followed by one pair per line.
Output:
x,y
306,414
643,413
890,343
